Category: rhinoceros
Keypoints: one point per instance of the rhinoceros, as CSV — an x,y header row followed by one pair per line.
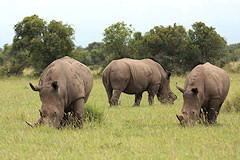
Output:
x,y
134,77
64,87
205,89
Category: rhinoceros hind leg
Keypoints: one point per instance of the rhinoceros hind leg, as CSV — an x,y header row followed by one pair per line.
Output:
x,y
115,98
109,93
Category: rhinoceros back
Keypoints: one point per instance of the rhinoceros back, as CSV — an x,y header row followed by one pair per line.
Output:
x,y
217,80
74,77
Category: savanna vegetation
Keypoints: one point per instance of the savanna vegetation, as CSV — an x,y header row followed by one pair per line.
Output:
x,y
123,132
37,43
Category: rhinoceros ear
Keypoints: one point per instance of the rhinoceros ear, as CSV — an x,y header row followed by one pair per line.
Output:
x,y
35,88
55,85
180,118
40,111
194,91
168,75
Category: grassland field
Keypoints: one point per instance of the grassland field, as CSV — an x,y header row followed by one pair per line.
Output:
x,y
123,132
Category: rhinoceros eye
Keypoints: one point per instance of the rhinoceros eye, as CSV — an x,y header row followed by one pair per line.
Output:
x,y
54,114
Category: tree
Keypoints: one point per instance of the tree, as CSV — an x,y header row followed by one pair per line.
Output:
x,y
117,38
208,41
80,54
94,45
167,45
12,62
96,55
138,47
44,42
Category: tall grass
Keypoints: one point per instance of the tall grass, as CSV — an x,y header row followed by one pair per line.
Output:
x,y
123,132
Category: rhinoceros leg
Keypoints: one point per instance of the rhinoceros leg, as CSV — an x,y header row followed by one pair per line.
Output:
x,y
212,110
152,91
115,97
151,97
78,110
138,98
109,93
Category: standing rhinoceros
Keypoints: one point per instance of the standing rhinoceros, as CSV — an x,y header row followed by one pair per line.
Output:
x,y
134,77
64,87
206,87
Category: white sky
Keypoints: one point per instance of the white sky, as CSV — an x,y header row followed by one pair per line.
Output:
x,y
89,18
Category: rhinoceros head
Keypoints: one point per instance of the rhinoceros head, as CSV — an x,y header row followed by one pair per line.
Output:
x,y
165,94
191,106
52,110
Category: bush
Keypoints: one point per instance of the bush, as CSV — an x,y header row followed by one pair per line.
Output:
x,y
93,113
232,104
2,71
233,67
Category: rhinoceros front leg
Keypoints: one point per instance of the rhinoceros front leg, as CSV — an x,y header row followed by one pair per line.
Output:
x,y
78,110
115,97
213,110
152,91
138,98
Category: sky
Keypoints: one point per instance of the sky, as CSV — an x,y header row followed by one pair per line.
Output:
x,y
89,18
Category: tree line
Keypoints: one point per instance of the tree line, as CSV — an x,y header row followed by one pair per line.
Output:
x,y
37,43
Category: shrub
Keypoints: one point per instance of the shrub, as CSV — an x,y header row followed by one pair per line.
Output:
x,y
233,67
93,113
232,104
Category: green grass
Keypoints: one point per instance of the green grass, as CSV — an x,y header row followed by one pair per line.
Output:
x,y
124,132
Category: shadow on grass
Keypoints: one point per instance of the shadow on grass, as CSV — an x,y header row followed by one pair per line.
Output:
x,y
205,124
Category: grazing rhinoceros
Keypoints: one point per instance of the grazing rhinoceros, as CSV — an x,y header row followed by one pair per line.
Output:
x,y
134,77
206,87
64,87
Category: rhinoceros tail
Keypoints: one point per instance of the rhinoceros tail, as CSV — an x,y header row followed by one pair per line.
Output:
x,y
106,78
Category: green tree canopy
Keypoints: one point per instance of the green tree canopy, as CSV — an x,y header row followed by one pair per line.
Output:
x,y
137,46
208,42
44,42
117,38
12,62
167,45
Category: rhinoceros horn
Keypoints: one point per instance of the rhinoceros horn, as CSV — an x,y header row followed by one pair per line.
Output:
x,y
33,124
35,88
180,89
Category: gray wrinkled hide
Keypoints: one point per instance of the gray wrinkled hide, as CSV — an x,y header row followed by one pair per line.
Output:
x,y
205,87
134,77
64,87
75,78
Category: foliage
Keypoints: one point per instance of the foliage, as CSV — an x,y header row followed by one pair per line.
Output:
x,y
44,42
232,102
233,67
137,46
117,38
12,62
92,55
231,53
167,45
208,41
38,43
